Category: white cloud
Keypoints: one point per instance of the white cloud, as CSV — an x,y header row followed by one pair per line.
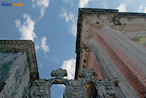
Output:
x,y
69,65
83,3
140,9
37,47
27,28
71,19
42,45
122,8
61,85
61,96
145,10
42,4
64,15
67,1
73,29
105,4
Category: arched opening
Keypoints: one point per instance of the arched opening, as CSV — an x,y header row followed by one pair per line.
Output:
x,y
94,93
57,90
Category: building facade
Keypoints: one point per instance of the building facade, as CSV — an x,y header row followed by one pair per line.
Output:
x,y
113,44
18,68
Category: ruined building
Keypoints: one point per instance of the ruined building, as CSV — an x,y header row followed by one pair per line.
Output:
x,y
18,67
112,43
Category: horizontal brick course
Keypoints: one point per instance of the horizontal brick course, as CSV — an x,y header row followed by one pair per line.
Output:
x,y
129,70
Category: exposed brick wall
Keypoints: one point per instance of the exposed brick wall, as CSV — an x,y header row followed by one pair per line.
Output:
x,y
129,70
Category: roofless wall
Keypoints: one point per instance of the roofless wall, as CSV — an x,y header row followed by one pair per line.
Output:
x,y
113,44
18,67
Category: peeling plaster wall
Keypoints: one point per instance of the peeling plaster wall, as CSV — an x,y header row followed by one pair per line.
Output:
x,y
126,39
14,74
95,66
137,53
110,70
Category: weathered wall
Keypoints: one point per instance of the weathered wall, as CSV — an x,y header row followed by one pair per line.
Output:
x,y
18,67
110,70
95,66
118,43
14,74
133,50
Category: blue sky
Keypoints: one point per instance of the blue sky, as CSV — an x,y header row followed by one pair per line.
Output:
x,y
52,25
